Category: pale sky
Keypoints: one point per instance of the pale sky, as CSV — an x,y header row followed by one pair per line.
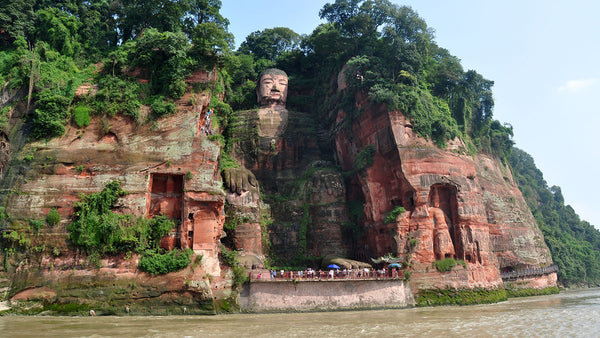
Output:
x,y
542,55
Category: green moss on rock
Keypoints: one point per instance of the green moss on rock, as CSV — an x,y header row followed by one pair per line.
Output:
x,y
450,296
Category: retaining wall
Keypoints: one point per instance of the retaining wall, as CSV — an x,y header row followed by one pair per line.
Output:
x,y
279,296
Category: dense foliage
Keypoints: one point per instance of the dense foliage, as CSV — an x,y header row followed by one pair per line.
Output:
x,y
156,263
100,231
49,47
574,244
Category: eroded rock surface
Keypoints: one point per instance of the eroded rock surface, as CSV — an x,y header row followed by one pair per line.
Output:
x,y
167,167
289,189
457,206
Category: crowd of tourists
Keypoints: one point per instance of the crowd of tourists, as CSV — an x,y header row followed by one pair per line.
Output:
x,y
310,274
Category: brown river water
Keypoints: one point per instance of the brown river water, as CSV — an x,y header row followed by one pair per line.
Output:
x,y
569,314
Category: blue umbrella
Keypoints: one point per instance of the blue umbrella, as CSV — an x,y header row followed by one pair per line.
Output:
x,y
333,266
395,265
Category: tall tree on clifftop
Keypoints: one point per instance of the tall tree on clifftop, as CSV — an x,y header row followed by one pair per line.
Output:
x,y
270,43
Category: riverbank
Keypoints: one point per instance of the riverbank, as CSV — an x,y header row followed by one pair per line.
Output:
x,y
572,313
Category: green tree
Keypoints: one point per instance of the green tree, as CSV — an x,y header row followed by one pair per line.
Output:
x,y
270,43
164,55
49,118
408,41
203,11
17,18
59,29
98,30
209,40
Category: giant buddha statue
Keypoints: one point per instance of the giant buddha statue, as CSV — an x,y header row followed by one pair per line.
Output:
x,y
279,158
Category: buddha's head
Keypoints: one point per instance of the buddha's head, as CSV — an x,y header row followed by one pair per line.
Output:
x,y
272,88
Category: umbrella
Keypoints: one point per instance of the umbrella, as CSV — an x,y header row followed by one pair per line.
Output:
x,y
332,266
395,265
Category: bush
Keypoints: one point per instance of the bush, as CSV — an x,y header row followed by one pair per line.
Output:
x,y
53,217
391,217
430,115
157,263
81,116
36,224
364,158
445,264
161,108
99,230
177,89
117,95
48,120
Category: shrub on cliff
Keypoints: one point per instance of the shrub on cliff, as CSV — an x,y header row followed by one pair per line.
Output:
x,y
447,264
81,115
117,95
53,217
156,262
48,120
99,230
391,217
364,159
160,107
230,257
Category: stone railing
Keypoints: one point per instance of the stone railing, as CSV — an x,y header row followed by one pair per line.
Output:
x,y
529,272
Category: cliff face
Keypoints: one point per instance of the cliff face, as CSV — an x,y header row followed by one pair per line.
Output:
x,y
457,206
169,167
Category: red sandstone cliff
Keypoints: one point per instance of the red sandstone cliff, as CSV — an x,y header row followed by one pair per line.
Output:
x,y
169,166
457,205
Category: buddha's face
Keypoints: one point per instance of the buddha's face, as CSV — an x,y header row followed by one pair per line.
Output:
x,y
272,90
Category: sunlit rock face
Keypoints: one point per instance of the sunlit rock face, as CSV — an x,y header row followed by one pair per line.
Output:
x,y
166,167
457,206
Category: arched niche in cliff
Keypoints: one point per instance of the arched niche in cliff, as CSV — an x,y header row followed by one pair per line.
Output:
x,y
166,195
442,198
446,199
109,138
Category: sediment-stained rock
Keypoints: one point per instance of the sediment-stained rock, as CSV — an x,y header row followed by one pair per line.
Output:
x,y
460,206
457,206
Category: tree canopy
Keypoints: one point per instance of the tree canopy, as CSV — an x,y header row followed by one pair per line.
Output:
x,y
51,45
